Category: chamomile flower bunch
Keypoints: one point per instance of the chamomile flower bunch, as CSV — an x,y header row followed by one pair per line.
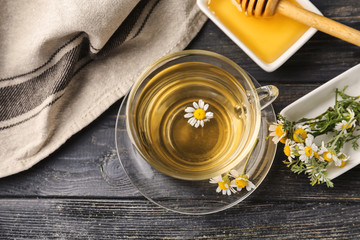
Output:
x,y
304,154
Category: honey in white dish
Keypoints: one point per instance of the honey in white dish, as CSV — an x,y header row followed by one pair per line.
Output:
x,y
267,38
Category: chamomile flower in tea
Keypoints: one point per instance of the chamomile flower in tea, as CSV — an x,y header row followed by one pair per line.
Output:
x,y
304,155
197,114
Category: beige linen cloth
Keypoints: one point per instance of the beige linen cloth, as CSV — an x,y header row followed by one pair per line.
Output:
x,y
63,63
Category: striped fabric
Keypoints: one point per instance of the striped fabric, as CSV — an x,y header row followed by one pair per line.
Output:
x,y
63,63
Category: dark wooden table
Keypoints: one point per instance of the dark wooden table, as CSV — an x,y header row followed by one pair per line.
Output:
x,y
81,191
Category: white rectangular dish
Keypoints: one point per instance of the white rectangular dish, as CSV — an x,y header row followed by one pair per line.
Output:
x,y
269,67
317,101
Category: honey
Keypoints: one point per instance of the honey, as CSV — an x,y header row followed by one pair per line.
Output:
x,y
267,38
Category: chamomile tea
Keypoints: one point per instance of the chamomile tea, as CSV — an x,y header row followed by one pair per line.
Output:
x,y
190,120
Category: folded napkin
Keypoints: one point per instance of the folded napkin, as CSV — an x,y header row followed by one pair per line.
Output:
x,y
63,63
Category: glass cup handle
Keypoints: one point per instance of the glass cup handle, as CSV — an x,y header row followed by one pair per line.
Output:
x,y
267,94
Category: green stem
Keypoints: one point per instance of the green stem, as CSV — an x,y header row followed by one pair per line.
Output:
x,y
247,160
339,135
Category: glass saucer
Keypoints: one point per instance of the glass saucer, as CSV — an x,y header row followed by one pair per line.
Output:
x,y
190,197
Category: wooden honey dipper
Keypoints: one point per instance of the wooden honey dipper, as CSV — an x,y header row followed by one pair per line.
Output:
x,y
267,8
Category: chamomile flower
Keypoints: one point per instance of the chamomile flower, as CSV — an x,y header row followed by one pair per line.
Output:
x,y
289,149
348,122
307,151
343,158
351,114
277,132
344,125
330,155
223,185
300,134
197,114
241,181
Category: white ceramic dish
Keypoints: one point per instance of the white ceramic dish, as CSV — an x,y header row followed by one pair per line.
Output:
x,y
269,67
319,100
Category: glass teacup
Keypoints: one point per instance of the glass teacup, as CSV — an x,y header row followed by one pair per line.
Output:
x,y
195,114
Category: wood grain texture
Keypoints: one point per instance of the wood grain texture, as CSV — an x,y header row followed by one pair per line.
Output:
x,y
139,219
81,192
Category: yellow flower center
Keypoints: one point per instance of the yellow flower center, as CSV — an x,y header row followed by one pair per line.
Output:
x,y
279,131
287,150
346,125
242,181
326,157
343,163
199,114
222,185
283,140
299,135
316,155
308,151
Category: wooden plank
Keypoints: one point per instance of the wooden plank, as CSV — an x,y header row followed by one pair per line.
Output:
x,y
139,219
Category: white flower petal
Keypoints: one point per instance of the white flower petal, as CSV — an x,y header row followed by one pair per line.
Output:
x,y
192,121
250,186
273,134
197,123
188,115
338,126
206,106
196,106
272,128
314,147
201,103
209,115
202,123
218,189
351,113
311,137
189,109
275,139
216,179
337,162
